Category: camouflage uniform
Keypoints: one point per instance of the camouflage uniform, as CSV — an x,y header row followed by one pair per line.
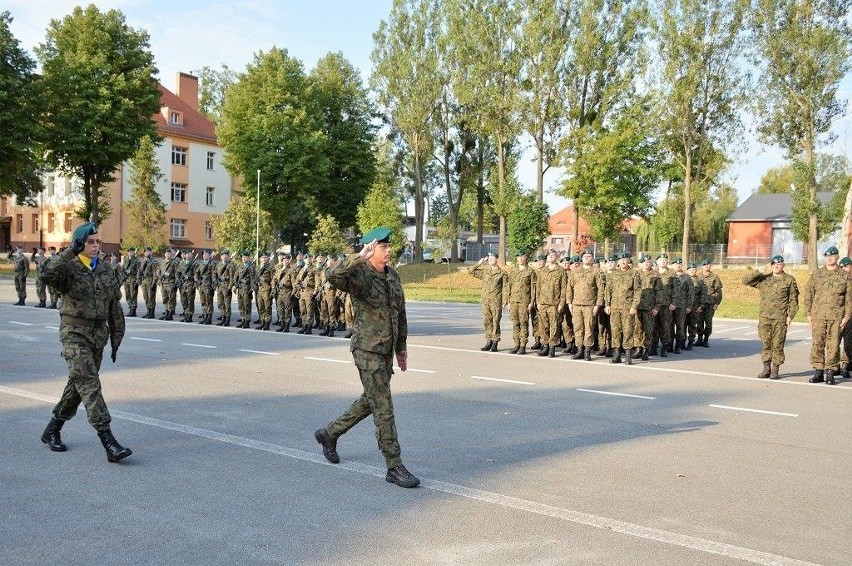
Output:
x,y
665,302
22,269
204,282
521,290
684,292
131,283
328,302
584,292
828,300
223,280
602,320
493,282
306,284
90,316
285,283
187,288
550,298
41,288
714,297
147,279
699,298
245,283
264,295
623,292
779,301
168,286
650,286
380,331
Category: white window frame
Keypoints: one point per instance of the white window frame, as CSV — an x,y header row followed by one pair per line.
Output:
x,y
179,155
211,160
208,230
179,189
210,196
177,228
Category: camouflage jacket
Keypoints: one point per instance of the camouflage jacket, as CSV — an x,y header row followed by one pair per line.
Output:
x,y
714,288
522,285
245,278
666,291
684,291
204,274
551,287
650,286
263,278
828,295
381,325
779,295
169,271
131,267
699,292
584,287
22,266
223,274
147,270
285,278
493,281
41,263
188,269
623,290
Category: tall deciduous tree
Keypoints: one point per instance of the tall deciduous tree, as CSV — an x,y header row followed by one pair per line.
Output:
x,y
99,96
405,63
701,76
236,227
146,211
381,206
832,174
213,86
803,49
326,238
19,162
528,224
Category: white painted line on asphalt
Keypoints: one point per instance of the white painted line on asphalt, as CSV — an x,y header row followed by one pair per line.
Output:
x,y
20,323
616,394
417,370
328,360
198,345
259,352
730,329
145,339
794,331
754,411
751,333
506,501
52,327
501,380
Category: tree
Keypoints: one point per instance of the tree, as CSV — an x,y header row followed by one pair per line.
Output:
x,y
19,95
213,88
832,174
99,94
803,50
777,180
528,224
146,211
237,226
346,114
700,45
404,75
711,215
381,208
326,238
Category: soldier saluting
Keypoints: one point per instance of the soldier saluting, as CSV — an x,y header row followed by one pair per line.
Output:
x,y
493,282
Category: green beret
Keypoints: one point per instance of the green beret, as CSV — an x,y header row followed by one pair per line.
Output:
x,y
624,255
706,262
613,257
542,257
225,251
83,231
831,250
678,261
128,249
588,251
845,261
491,254
776,259
564,259
520,252
245,253
381,234
692,265
663,255
576,259
148,249
264,253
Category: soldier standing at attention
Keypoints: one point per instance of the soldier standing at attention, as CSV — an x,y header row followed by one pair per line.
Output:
x,y
646,312
622,293
131,282
305,283
285,282
493,282
714,297
684,292
245,284
665,305
699,297
264,292
550,301
521,292
779,301
147,278
187,285
41,288
22,270
584,296
603,319
535,319
328,300
846,333
567,331
223,279
169,283
380,331
90,316
204,283
828,306
54,295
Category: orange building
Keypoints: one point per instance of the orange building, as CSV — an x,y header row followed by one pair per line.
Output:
x,y
561,237
194,187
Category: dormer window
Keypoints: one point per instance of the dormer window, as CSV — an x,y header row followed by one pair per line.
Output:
x,y
173,117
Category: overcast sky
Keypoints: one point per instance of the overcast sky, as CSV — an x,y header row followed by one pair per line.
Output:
x,y
187,35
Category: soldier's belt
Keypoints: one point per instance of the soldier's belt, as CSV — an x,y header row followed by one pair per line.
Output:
x,y
87,322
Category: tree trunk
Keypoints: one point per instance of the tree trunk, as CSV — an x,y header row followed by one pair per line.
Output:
x,y
480,205
687,207
539,164
812,218
418,209
501,180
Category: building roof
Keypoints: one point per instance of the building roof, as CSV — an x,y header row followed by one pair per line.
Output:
x,y
773,207
563,222
195,125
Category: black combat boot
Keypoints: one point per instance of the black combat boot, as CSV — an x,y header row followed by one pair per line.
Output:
x,y
773,373
402,477
131,313
688,345
562,343
164,315
628,356
331,330
493,346
677,348
286,327
828,375
616,359
487,347
515,349
41,305
170,315
588,356
203,319
329,445
308,329
767,369
303,329
536,345
221,321
348,334
581,352
545,350
53,304
817,376
552,353
644,354
188,318
51,437
324,331
227,321
115,451
844,370
706,342
663,353
522,351
280,328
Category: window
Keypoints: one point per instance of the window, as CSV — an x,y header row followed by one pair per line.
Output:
x,y
35,223
557,241
51,221
208,230
178,192
209,197
50,186
68,192
211,155
178,155
177,228
174,118
67,221
19,222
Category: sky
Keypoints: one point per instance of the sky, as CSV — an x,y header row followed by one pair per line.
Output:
x,y
188,35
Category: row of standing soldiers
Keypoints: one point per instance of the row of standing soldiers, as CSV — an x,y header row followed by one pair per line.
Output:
x,y
610,309
300,290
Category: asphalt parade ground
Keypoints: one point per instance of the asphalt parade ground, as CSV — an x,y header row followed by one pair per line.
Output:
x,y
688,460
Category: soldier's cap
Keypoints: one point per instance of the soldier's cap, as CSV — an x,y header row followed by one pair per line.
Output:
x,y
831,250
845,261
663,255
576,259
588,251
542,257
552,252
285,255
113,254
341,257
564,259
776,259
245,253
706,262
678,261
52,248
264,253
225,251
624,255
83,231
692,265
148,249
168,251
613,257
381,234
491,254
208,251
129,249
520,252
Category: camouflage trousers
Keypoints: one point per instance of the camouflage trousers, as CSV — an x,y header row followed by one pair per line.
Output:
x,y
306,305
131,293
548,318
846,335
582,317
492,313
264,304
663,327
83,349
21,286
205,294
328,308
187,299
348,313
705,320
825,343
604,330
149,294
622,323
566,327
643,333
773,334
41,290
692,324
375,371
167,290
244,302
679,321
284,304
520,316
224,296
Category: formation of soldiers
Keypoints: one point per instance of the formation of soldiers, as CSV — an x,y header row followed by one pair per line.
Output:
x,y
606,309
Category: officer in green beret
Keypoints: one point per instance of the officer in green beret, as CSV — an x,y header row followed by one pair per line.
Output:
x,y
521,288
846,353
380,332
493,287
779,301
621,299
828,306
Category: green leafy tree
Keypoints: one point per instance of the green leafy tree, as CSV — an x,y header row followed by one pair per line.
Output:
x,y
326,238
236,228
99,93
832,174
803,50
777,180
213,86
146,211
381,208
19,95
528,224
710,224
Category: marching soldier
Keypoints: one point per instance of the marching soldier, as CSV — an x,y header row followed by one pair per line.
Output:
x,y
828,306
147,279
550,297
245,283
223,279
204,282
521,284
131,281
846,333
666,305
646,312
699,297
714,297
584,296
622,293
285,283
169,284
306,285
683,299
186,280
265,291
41,289
22,270
779,301
493,282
